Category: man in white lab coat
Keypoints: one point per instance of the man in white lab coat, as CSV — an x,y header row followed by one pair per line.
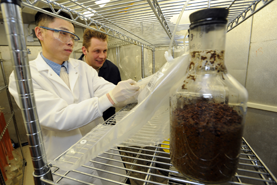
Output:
x,y
68,93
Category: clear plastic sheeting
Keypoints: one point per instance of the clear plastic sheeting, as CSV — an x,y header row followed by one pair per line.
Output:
x,y
130,62
112,55
154,33
159,57
147,62
104,137
153,132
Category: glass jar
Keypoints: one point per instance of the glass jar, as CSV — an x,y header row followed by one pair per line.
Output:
x,y
208,107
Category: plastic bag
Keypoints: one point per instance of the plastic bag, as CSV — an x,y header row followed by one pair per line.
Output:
x,y
148,84
153,104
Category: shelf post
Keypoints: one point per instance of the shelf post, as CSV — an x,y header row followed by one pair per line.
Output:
x,y
142,62
153,61
117,56
11,10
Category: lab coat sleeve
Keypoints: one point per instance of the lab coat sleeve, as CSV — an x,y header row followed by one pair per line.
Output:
x,y
56,114
98,85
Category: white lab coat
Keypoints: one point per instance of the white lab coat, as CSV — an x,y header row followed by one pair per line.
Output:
x,y
64,113
67,114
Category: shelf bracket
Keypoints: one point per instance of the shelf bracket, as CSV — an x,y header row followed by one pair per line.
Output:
x,y
159,14
250,11
110,31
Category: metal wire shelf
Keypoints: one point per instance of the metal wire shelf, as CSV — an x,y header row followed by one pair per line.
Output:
x,y
123,19
151,165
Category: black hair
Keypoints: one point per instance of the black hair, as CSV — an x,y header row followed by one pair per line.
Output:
x,y
45,17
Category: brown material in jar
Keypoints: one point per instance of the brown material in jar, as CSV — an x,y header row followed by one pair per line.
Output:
x,y
205,141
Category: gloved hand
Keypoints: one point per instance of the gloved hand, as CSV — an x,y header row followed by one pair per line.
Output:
x,y
123,91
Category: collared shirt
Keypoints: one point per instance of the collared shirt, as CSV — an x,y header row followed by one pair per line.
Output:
x,y
56,67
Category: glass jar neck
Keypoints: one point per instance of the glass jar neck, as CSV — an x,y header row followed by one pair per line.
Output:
x,y
207,60
207,47
207,37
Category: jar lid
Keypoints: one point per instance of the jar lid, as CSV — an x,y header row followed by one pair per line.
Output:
x,y
209,16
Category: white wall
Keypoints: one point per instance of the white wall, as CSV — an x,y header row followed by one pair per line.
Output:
x,y
251,52
237,47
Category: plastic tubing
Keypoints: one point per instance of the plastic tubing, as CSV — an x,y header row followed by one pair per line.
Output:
x,y
175,28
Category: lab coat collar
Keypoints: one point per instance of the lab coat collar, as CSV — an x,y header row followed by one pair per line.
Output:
x,y
42,65
73,71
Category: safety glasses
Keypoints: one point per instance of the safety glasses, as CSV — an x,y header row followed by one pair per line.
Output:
x,y
63,36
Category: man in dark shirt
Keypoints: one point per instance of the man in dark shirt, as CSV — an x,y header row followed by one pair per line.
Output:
x,y
95,49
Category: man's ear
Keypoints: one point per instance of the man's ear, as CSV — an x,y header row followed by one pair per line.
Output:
x,y
38,32
84,49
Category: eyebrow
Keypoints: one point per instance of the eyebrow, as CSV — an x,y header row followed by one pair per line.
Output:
x,y
99,49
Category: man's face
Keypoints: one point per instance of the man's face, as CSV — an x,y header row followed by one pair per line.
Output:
x,y
96,54
52,48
